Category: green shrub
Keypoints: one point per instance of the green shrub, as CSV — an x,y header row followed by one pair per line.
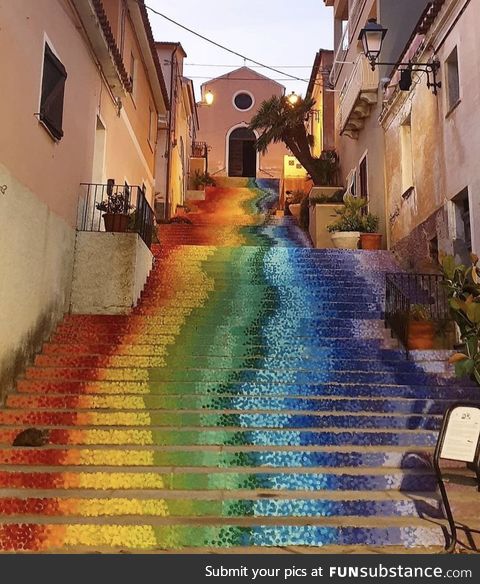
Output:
x,y
463,289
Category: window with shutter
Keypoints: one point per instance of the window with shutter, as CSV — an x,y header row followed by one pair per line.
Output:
x,y
53,89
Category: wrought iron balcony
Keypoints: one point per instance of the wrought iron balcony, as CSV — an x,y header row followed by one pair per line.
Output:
x,y
358,96
118,200
199,150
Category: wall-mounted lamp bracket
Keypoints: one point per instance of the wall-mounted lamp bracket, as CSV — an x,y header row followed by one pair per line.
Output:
x,y
431,69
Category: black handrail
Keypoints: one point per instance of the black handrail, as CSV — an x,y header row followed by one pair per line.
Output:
x,y
405,289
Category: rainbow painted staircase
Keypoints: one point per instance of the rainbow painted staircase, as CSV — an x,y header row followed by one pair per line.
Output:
x,y
247,401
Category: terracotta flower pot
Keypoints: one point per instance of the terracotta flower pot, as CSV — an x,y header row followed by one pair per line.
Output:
x,y
116,222
345,239
371,240
421,335
295,209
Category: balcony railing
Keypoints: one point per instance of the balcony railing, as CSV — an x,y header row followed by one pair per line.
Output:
x,y
199,150
349,31
404,291
119,200
357,98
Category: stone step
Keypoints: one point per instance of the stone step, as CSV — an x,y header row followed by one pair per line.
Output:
x,y
225,339
48,537
78,507
277,362
218,436
153,456
306,480
169,314
226,403
294,350
281,327
353,390
243,420
245,375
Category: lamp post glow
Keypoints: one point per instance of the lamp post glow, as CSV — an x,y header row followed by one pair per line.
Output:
x,y
293,98
209,98
372,37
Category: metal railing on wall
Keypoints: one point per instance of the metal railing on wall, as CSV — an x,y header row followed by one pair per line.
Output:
x,y
406,293
126,203
199,150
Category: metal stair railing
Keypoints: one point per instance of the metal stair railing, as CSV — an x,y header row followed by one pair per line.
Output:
x,y
403,290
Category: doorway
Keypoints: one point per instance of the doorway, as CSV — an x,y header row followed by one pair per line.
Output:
x,y
242,155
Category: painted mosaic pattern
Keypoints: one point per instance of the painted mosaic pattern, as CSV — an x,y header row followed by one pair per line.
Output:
x,y
250,383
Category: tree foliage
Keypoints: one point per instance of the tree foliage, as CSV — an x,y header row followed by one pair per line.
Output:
x,y
277,120
463,290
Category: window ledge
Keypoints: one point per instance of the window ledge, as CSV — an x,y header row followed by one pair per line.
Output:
x,y
453,108
48,131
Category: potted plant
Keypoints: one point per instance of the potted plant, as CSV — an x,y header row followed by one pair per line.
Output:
x,y
116,212
345,231
370,238
201,180
421,329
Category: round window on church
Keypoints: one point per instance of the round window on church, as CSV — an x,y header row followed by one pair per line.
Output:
x,y
243,101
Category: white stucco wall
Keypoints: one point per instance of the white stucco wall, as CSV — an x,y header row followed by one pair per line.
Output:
x,y
110,270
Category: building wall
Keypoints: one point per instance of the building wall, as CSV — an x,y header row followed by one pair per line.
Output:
x,y
38,211
370,142
178,142
322,122
130,151
217,121
461,128
443,146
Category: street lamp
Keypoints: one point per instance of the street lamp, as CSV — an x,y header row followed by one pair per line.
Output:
x,y
293,98
208,99
372,37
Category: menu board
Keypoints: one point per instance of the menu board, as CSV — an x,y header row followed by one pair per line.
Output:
x,y
462,434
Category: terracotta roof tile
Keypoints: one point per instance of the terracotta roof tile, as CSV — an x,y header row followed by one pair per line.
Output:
x,y
112,45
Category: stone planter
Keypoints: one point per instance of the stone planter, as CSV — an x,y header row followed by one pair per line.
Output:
x,y
421,335
116,222
345,239
372,241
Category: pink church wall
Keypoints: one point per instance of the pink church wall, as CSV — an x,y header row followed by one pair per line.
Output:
x,y
217,120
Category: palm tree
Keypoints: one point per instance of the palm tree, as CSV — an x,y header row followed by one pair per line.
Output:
x,y
278,120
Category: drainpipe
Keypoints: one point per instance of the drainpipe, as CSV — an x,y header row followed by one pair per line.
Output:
x,y
169,138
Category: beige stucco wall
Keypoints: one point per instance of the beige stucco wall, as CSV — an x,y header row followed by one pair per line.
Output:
x,y
182,131
461,130
320,217
42,176
444,144
36,255
405,213
219,119
110,286
370,142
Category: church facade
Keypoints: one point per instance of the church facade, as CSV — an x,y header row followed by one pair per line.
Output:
x,y
237,97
